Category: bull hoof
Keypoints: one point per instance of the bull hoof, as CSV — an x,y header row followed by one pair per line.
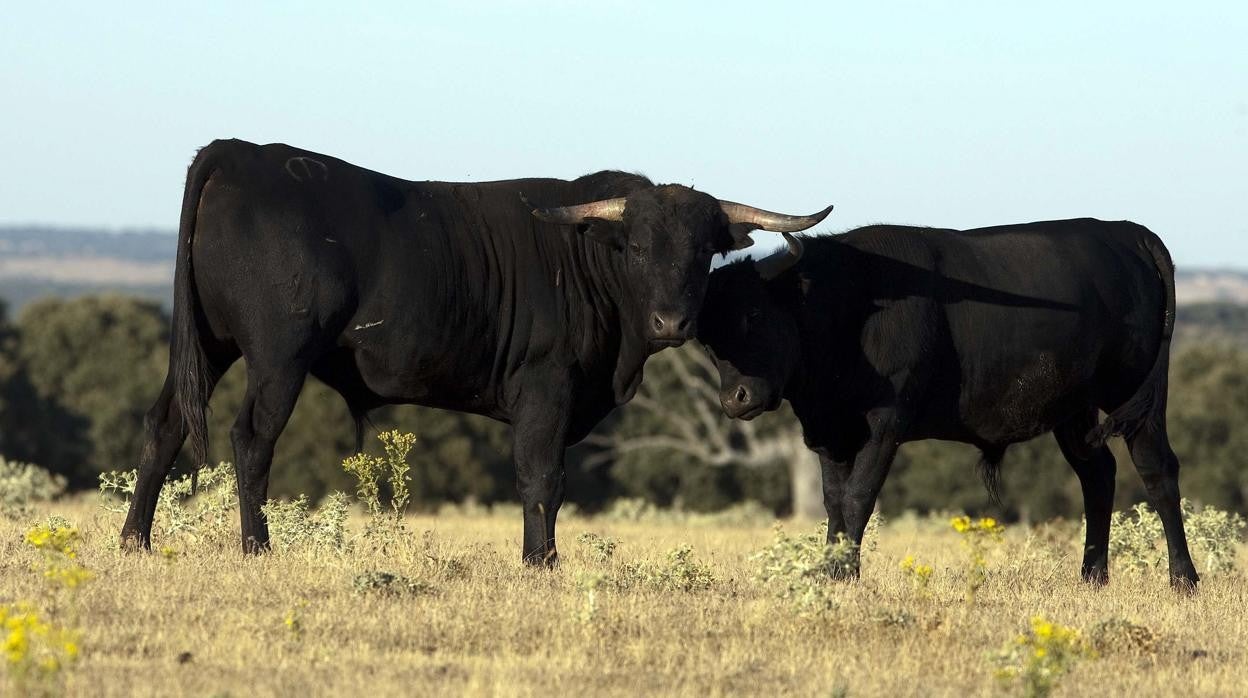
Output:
x,y
1184,582
135,543
1096,577
843,572
546,560
252,546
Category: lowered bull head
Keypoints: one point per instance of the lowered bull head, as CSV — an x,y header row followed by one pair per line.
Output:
x,y
748,325
668,235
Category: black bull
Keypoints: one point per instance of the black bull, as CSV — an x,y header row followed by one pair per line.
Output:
x,y
889,334
453,295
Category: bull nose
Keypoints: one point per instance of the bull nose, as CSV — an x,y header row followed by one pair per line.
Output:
x,y
737,402
668,325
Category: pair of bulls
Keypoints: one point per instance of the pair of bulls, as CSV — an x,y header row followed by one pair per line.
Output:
x,y
466,296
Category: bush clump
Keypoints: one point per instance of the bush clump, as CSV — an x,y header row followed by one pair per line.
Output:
x,y
23,484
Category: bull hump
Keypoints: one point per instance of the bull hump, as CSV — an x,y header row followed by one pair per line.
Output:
x,y
305,169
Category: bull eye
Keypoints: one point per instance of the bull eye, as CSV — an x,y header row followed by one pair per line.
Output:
x,y
635,247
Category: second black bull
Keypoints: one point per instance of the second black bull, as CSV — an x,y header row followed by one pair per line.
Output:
x,y
889,334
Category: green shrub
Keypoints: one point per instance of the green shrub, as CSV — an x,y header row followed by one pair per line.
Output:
x,y
1121,636
23,484
678,571
389,584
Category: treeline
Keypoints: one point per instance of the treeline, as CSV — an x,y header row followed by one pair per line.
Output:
x,y
77,376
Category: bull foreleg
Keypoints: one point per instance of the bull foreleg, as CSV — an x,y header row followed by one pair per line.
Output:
x,y
862,487
835,474
539,437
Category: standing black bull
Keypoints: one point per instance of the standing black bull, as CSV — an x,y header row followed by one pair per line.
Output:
x,y
889,334
457,296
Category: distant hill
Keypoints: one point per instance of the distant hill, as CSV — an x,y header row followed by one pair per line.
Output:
x,y
41,260
1211,286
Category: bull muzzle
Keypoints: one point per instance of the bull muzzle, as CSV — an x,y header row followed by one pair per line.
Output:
x,y
742,402
670,328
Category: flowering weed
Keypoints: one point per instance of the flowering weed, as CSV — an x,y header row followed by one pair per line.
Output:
x,y
36,651
370,471
918,574
1039,657
977,537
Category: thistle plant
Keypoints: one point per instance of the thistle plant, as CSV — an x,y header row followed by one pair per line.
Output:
x,y
1215,534
977,537
1133,538
1039,657
797,567
295,527
600,548
1136,537
186,509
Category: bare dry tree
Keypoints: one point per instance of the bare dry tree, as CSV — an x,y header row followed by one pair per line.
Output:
x,y
681,398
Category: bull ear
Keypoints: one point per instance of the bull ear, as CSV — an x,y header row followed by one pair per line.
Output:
x,y
604,232
740,233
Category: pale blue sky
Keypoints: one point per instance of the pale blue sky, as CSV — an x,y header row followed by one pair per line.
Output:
x,y
949,114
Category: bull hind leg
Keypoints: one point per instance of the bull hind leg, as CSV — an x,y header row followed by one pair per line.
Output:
x,y
1096,469
1159,469
267,406
164,433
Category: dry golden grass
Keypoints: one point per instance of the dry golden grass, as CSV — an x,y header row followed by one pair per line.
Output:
x,y
212,622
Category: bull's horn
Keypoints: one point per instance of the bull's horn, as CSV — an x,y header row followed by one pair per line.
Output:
x,y
766,220
607,209
774,264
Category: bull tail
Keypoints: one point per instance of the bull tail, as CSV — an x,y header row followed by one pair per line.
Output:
x,y
193,373
1146,408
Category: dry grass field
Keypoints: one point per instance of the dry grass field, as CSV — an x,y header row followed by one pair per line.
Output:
x,y
465,617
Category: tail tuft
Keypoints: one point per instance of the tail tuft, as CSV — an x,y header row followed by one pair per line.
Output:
x,y
990,470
